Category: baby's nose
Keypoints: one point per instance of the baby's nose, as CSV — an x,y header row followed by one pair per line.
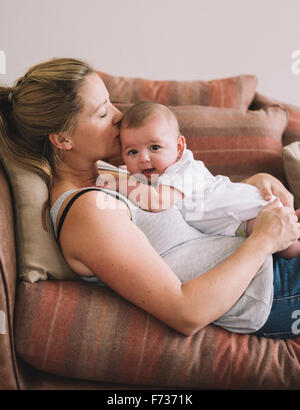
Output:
x,y
144,157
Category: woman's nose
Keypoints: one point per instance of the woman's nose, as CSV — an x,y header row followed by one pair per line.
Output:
x,y
117,117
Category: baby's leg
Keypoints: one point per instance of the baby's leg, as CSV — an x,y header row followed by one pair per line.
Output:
x,y
291,252
250,225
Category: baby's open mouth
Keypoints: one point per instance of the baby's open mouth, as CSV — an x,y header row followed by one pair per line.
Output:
x,y
148,171
151,174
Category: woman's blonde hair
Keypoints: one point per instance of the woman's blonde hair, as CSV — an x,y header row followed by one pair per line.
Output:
x,y
45,100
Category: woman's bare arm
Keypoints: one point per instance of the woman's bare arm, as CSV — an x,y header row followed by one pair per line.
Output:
x,y
107,244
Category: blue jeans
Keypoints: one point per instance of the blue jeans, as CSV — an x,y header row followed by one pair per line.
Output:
x,y
284,319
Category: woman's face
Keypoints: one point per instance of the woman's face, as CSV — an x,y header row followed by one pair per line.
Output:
x,y
96,134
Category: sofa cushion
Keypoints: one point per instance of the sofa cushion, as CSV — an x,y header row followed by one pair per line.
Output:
x,y
291,159
87,332
231,142
292,132
235,92
8,377
38,255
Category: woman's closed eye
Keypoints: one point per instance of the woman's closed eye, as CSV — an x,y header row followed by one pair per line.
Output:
x,y
105,108
103,114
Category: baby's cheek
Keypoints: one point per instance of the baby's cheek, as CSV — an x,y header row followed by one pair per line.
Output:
x,y
130,167
125,160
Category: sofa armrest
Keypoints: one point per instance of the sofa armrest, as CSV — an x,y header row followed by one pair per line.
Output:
x,y
8,369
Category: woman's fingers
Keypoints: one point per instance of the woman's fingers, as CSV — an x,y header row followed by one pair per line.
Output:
x,y
270,186
275,204
278,190
278,224
266,192
287,198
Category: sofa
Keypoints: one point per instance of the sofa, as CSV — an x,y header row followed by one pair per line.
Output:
x,y
58,332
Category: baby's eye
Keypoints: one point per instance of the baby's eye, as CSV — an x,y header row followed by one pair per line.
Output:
x,y
155,147
132,152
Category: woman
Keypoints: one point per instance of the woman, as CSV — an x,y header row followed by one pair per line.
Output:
x,y
58,121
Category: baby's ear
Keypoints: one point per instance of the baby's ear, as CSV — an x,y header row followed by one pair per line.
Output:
x,y
180,146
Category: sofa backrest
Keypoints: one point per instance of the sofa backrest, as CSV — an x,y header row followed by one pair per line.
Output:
x,y
8,278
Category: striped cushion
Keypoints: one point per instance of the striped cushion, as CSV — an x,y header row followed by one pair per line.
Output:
x,y
231,142
292,132
291,159
83,331
236,92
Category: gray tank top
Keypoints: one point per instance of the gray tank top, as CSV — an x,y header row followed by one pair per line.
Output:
x,y
189,253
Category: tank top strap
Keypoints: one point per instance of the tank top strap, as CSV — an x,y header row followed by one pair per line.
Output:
x,y
54,211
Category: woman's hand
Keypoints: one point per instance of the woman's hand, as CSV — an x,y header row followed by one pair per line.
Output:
x,y
277,226
268,186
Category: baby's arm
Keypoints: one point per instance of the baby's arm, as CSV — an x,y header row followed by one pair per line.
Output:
x,y
162,197
147,197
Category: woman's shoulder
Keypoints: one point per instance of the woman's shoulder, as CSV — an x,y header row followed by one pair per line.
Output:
x,y
61,192
91,220
66,197
60,188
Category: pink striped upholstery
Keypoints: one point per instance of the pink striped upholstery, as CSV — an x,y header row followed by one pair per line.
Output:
x,y
231,142
88,332
236,92
292,132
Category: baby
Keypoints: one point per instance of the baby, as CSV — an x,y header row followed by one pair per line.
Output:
x,y
165,173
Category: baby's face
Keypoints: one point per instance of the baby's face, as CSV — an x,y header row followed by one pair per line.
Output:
x,y
151,148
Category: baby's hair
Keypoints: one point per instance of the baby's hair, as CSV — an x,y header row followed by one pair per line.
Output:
x,y
138,114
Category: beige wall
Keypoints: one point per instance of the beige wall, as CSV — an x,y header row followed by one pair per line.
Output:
x,y
159,39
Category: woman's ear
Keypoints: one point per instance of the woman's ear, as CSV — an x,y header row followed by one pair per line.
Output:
x,y
180,146
60,141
